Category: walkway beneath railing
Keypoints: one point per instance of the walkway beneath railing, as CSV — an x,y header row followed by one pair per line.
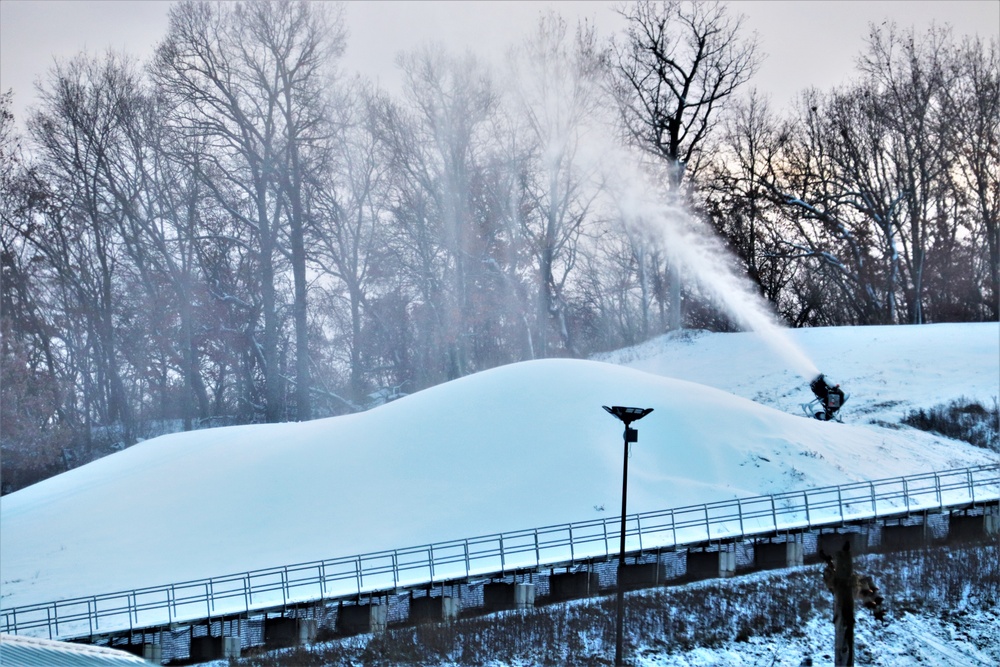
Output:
x,y
492,556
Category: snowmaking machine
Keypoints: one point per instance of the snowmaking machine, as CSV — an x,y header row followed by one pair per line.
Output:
x,y
829,399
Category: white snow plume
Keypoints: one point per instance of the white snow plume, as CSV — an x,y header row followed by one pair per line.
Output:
x,y
690,242
555,84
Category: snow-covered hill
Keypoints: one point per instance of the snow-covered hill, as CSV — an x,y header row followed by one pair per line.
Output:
x,y
514,447
887,370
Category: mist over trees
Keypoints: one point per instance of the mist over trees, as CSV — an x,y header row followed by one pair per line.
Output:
x,y
239,232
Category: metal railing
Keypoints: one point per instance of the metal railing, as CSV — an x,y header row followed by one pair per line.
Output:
x,y
493,555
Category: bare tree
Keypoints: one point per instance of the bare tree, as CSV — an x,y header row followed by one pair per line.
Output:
x,y
677,65
75,130
973,105
437,144
556,78
33,422
908,78
352,208
250,78
300,42
737,202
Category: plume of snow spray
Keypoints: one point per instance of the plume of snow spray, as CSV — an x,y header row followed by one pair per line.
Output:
x,y
692,244
568,114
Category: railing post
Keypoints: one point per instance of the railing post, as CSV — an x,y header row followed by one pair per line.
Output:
x,y
211,595
322,580
708,529
208,600
430,556
638,529
247,592
937,489
972,487
170,604
805,499
395,570
538,552
357,573
55,614
840,505
468,565
774,513
503,557
871,485
906,496
572,551
673,527
604,525
48,621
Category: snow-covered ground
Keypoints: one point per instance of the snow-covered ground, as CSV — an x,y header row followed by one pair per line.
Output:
x,y
515,447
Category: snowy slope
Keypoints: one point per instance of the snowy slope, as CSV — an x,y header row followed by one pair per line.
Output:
x,y
514,447
887,370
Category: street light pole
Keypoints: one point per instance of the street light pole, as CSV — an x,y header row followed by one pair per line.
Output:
x,y
627,415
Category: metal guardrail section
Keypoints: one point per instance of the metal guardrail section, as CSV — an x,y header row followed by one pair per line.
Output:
x,y
250,592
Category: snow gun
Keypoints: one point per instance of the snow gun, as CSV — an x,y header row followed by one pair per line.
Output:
x,y
829,399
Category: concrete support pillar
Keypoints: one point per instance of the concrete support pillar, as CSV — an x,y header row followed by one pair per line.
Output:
x,y
831,543
710,564
642,575
975,528
153,653
500,596
769,556
902,538
434,609
991,521
524,596
362,619
283,632
573,585
206,649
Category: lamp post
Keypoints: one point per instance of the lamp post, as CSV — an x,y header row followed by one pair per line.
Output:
x,y
627,415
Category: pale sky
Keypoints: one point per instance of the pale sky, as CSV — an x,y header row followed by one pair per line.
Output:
x,y
806,42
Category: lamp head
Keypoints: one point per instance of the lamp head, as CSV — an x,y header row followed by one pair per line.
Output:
x,y
627,415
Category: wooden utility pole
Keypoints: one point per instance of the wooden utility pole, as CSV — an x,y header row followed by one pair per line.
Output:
x,y
842,585
846,586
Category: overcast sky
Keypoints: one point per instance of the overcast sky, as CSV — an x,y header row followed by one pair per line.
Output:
x,y
806,42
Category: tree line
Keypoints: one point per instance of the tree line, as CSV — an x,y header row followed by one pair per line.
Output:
x,y
237,232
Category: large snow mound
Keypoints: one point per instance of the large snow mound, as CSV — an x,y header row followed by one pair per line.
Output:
x,y
515,447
